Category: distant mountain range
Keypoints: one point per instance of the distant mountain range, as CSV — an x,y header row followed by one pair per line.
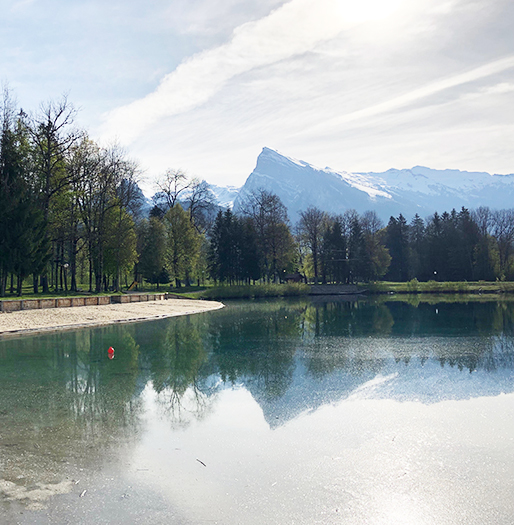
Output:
x,y
409,191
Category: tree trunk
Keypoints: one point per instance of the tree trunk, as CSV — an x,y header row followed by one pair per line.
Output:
x,y
19,285
3,283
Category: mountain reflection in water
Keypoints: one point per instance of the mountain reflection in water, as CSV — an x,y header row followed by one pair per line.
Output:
x,y
291,355
69,411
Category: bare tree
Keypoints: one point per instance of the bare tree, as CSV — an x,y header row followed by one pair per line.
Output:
x,y
503,230
311,228
483,218
171,185
269,216
200,201
371,222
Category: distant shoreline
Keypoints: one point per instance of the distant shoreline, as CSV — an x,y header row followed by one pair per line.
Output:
x,y
27,322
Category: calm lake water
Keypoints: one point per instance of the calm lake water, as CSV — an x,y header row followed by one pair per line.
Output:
x,y
275,412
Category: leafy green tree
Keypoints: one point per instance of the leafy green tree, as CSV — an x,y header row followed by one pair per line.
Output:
x,y
153,249
503,231
52,137
23,244
233,254
182,244
107,182
486,256
29,251
120,245
375,258
436,249
464,239
249,250
219,246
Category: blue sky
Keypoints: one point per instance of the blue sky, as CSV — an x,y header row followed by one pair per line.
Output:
x,y
203,85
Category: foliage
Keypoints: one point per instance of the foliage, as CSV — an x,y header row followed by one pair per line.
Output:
x,y
276,248
152,251
182,244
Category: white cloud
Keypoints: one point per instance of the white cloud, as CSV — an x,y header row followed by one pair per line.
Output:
x,y
499,89
336,84
426,91
295,28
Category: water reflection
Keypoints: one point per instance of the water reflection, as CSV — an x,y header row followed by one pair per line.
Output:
x,y
172,363
270,347
65,405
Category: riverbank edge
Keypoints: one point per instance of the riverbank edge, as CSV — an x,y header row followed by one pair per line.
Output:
x,y
207,306
16,305
378,288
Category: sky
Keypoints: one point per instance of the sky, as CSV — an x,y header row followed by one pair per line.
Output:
x,y
204,85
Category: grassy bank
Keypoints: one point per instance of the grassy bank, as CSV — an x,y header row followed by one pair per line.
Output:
x,y
298,289
438,298
250,291
413,288
436,287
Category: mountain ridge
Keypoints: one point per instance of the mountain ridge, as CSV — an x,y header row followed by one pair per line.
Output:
x,y
420,189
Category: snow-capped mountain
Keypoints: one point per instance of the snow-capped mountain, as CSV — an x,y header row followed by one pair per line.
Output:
x,y
408,191
225,195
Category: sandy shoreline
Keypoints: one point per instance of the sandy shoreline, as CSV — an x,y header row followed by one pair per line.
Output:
x,y
48,319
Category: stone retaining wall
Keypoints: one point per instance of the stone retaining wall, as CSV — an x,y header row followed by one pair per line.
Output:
x,y
67,302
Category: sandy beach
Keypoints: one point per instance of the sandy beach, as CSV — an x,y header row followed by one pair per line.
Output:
x,y
27,321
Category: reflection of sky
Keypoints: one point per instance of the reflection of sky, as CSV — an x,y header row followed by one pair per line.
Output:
x,y
358,461
427,370
367,429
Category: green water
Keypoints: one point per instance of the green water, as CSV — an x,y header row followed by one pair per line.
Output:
x,y
265,412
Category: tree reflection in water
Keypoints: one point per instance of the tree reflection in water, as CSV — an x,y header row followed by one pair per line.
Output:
x,y
173,362
64,403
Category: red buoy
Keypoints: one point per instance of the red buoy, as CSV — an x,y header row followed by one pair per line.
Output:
x,y
111,350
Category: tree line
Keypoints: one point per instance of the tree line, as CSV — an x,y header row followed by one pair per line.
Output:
x,y
72,214
465,245
65,202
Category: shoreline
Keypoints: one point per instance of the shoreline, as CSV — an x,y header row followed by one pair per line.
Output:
x,y
30,322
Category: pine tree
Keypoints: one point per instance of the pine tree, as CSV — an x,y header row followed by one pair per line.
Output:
x,y
397,242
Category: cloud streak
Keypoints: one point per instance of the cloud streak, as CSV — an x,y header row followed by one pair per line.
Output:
x,y
295,28
433,88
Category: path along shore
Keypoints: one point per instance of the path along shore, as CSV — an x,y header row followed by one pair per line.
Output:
x,y
49,319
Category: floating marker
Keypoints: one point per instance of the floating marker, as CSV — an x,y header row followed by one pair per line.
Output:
x,y
111,350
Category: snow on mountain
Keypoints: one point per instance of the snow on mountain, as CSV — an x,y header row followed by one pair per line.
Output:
x,y
408,191
225,195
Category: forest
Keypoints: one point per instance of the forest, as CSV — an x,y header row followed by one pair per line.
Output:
x,y
73,219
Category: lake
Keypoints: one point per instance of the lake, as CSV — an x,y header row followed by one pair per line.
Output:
x,y
265,412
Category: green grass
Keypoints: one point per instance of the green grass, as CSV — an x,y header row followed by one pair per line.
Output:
x,y
209,291
252,291
451,287
437,298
